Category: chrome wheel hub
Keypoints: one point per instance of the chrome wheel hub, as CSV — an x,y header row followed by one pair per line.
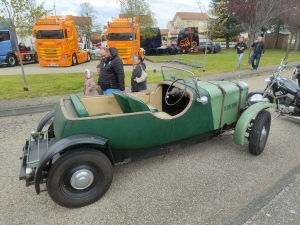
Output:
x,y
82,179
263,137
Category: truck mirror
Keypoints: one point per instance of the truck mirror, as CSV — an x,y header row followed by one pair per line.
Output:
x,y
69,33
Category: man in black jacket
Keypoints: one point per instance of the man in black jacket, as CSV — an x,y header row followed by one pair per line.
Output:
x,y
259,50
240,47
112,77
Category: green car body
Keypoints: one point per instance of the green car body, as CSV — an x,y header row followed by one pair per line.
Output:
x,y
204,110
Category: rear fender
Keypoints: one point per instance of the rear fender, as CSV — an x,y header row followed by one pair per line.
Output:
x,y
44,121
68,144
244,120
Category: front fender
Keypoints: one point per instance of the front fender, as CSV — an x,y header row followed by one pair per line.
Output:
x,y
66,143
244,120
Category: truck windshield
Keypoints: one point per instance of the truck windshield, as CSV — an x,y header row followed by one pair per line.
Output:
x,y
49,34
4,36
120,36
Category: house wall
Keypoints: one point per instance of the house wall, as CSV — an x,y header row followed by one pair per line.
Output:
x,y
180,23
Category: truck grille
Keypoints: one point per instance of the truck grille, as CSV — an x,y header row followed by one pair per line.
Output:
x,y
51,53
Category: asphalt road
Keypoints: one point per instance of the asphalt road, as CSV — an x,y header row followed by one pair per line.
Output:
x,y
214,182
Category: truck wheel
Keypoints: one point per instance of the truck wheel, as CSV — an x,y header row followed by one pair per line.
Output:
x,y
11,60
88,57
259,132
79,177
36,58
74,60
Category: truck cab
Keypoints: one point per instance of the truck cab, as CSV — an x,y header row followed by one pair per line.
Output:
x,y
57,42
8,48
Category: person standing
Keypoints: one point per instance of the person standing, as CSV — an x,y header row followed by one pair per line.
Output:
x,y
111,77
240,48
89,84
259,50
139,66
100,92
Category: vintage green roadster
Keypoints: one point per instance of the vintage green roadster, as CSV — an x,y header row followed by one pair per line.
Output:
x,y
76,146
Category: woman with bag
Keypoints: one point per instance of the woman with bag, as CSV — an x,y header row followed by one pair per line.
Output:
x,y
139,76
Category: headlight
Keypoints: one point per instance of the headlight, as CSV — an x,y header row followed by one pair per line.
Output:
x,y
257,98
64,58
268,80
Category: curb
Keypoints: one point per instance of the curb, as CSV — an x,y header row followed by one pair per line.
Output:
x,y
26,110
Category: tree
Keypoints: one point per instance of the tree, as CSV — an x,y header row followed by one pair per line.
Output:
x,y
254,15
142,10
291,17
88,24
19,16
222,24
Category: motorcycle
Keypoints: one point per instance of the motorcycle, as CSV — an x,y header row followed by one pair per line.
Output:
x,y
296,74
283,92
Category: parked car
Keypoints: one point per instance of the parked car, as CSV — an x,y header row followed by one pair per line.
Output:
x,y
75,155
95,51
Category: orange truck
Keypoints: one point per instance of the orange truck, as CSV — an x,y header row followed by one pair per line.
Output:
x,y
57,43
124,35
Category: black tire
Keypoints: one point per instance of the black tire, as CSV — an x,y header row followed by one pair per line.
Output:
x,y
88,57
79,177
11,60
74,60
36,59
259,132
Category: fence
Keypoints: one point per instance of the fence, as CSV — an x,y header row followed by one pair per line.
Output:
x,y
223,44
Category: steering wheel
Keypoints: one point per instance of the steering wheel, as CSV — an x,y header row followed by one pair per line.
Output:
x,y
168,93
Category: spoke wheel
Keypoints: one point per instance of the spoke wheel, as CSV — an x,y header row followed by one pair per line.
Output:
x,y
79,177
259,132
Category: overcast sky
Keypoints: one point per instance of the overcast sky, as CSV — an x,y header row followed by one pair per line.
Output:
x,y
164,11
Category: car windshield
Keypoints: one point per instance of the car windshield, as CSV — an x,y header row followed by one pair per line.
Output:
x,y
173,73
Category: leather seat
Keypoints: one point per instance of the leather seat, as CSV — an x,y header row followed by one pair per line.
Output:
x,y
137,105
80,109
123,102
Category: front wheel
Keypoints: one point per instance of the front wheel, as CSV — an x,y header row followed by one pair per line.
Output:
x,y
11,60
74,60
259,132
88,57
79,177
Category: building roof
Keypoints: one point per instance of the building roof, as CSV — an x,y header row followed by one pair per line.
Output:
x,y
81,20
172,23
191,16
164,31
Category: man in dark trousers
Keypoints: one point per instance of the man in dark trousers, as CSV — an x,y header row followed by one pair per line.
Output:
x,y
240,47
112,77
259,50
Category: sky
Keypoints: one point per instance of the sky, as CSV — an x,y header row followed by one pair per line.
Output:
x,y
164,11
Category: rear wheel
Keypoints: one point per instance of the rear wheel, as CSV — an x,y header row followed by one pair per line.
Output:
x,y
79,177
74,60
11,60
259,132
